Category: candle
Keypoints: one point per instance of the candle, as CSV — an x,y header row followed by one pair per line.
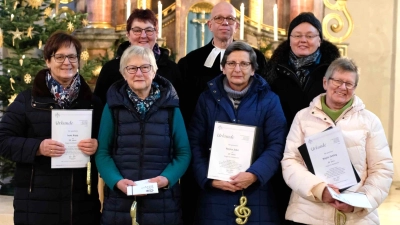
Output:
x,y
159,19
128,9
241,26
275,22
144,4
259,17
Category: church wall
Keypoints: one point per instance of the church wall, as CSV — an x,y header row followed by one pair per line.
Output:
x,y
371,45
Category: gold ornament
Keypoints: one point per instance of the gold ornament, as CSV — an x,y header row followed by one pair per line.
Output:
x,y
21,61
27,78
1,38
40,44
1,90
85,22
29,32
16,34
15,4
241,211
12,81
70,26
35,4
85,55
47,11
96,71
12,98
11,17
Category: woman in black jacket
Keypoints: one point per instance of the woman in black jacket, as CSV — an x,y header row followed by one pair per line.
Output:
x,y
44,195
141,30
295,75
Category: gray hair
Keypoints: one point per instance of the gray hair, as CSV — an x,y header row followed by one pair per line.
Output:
x,y
342,64
241,46
140,51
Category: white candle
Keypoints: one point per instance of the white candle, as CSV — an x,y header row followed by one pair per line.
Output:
x,y
144,4
241,26
128,9
259,17
159,19
275,22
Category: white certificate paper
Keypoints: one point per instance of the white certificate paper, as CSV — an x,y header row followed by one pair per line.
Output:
x,y
355,199
330,159
231,150
69,127
142,187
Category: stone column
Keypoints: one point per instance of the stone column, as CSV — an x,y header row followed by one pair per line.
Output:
x,y
299,6
99,13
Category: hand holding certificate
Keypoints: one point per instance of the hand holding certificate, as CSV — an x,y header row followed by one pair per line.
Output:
x,y
142,187
70,127
231,150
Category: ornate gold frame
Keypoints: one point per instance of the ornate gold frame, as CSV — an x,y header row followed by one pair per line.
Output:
x,y
340,6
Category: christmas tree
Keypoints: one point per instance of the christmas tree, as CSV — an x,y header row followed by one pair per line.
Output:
x,y
25,25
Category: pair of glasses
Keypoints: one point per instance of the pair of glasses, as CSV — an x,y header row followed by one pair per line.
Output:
x,y
60,58
309,37
138,31
339,83
143,68
242,65
220,19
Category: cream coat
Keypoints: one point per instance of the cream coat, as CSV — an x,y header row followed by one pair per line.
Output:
x,y
368,150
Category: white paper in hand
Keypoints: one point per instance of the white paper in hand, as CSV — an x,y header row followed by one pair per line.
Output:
x,y
353,199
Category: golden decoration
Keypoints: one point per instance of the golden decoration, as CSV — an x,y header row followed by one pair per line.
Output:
x,y
21,61
35,4
70,26
88,179
96,71
241,211
16,34
29,32
85,22
40,44
1,90
340,218
53,1
133,212
12,98
47,11
1,38
200,7
340,6
11,17
85,55
12,81
27,78
15,5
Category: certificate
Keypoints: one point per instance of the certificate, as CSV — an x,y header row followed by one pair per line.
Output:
x,y
330,159
70,127
231,150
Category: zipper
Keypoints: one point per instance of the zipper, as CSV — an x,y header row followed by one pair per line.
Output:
x,y
31,183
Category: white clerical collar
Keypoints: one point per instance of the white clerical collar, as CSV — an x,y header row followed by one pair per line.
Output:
x,y
213,55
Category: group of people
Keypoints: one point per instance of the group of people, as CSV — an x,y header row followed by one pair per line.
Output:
x,y
154,119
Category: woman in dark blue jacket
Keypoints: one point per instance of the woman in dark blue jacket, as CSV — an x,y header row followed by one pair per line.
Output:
x,y
240,97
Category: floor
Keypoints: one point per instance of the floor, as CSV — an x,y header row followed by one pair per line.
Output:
x,y
389,211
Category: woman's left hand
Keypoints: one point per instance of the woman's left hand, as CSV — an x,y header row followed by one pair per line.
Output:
x,y
243,179
88,146
160,180
341,206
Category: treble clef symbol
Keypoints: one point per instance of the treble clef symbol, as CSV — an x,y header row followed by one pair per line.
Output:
x,y
242,212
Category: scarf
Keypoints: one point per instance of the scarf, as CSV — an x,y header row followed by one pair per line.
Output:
x,y
236,96
213,55
64,96
157,52
303,65
143,105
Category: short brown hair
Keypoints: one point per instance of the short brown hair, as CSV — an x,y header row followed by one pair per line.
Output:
x,y
143,15
60,39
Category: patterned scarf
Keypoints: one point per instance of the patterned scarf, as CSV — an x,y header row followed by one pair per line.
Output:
x,y
236,96
64,96
157,52
143,105
303,65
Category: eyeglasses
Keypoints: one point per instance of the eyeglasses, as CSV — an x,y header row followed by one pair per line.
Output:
x,y
339,83
138,31
309,37
242,65
220,19
60,58
143,68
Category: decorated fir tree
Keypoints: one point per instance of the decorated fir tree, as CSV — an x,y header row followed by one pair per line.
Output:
x,y
25,26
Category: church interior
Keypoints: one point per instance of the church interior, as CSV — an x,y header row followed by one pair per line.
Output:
x,y
367,31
